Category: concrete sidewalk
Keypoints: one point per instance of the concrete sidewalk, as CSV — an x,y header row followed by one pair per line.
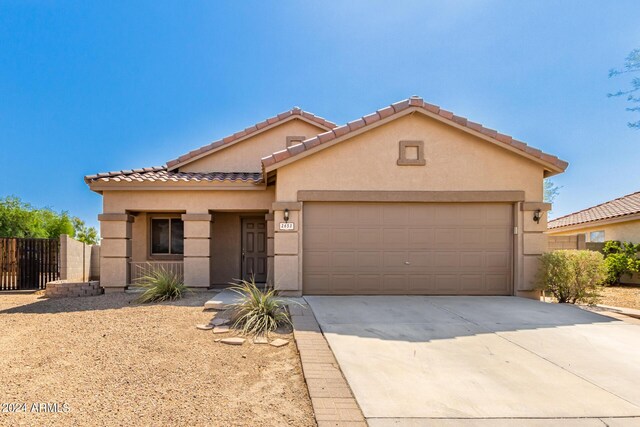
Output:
x,y
483,360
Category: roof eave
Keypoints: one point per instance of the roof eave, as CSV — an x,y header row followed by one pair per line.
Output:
x,y
99,187
588,224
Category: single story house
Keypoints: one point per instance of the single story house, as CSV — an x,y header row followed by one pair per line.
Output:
x,y
410,199
617,219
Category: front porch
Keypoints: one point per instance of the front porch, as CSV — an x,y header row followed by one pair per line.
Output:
x,y
206,250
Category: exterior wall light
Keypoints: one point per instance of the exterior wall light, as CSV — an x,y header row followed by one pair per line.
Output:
x,y
537,214
286,215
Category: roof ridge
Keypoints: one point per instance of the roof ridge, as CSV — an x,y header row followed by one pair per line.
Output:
x,y
295,111
397,107
595,206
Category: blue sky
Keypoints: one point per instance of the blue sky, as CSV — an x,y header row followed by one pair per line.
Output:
x,y
89,87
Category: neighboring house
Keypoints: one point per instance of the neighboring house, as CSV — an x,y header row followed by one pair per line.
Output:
x,y
617,219
410,199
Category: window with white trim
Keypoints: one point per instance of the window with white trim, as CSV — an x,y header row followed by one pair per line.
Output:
x,y
596,236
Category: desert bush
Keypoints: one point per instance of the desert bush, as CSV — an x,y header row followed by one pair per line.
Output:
x,y
160,284
257,311
572,276
620,258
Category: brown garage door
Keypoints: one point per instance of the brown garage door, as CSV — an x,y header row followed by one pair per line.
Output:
x,y
407,248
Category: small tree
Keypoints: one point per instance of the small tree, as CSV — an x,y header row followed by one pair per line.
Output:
x,y
631,65
572,276
21,219
620,258
551,191
83,233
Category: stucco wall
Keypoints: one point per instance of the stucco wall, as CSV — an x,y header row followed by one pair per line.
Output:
x,y
225,248
575,241
245,156
625,231
456,161
120,201
78,261
94,270
139,238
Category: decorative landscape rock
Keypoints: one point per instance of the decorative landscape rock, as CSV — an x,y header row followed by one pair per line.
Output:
x,y
260,339
204,327
219,321
233,341
279,342
220,329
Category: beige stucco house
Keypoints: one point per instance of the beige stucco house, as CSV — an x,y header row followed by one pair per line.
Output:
x,y
617,219
410,199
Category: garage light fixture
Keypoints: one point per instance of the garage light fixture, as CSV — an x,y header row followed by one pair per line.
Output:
x,y
286,215
537,214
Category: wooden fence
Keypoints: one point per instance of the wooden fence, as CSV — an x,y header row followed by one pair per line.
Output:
x,y
28,263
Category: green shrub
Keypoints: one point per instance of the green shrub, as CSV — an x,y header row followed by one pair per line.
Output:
x,y
572,276
620,258
160,284
257,311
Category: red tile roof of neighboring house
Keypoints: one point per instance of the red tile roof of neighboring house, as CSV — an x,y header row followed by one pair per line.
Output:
x,y
622,206
160,174
250,131
413,102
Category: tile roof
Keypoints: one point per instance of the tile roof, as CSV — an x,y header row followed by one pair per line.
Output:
x,y
413,102
295,111
622,206
161,174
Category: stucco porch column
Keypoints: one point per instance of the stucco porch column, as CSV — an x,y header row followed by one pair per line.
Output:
x,y
534,244
197,249
115,251
286,242
270,247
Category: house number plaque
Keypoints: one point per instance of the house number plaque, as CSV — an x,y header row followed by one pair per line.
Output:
x,y
286,226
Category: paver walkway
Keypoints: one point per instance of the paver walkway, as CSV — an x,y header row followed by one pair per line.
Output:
x,y
331,397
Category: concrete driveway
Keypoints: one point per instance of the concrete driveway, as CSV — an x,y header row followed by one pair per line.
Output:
x,y
483,360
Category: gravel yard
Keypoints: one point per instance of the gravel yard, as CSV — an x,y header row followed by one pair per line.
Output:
x,y
621,296
114,362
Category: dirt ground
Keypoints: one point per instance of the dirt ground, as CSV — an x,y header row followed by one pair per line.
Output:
x,y
114,362
621,296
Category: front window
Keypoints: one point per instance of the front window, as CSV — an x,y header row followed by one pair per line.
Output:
x,y
596,236
167,236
